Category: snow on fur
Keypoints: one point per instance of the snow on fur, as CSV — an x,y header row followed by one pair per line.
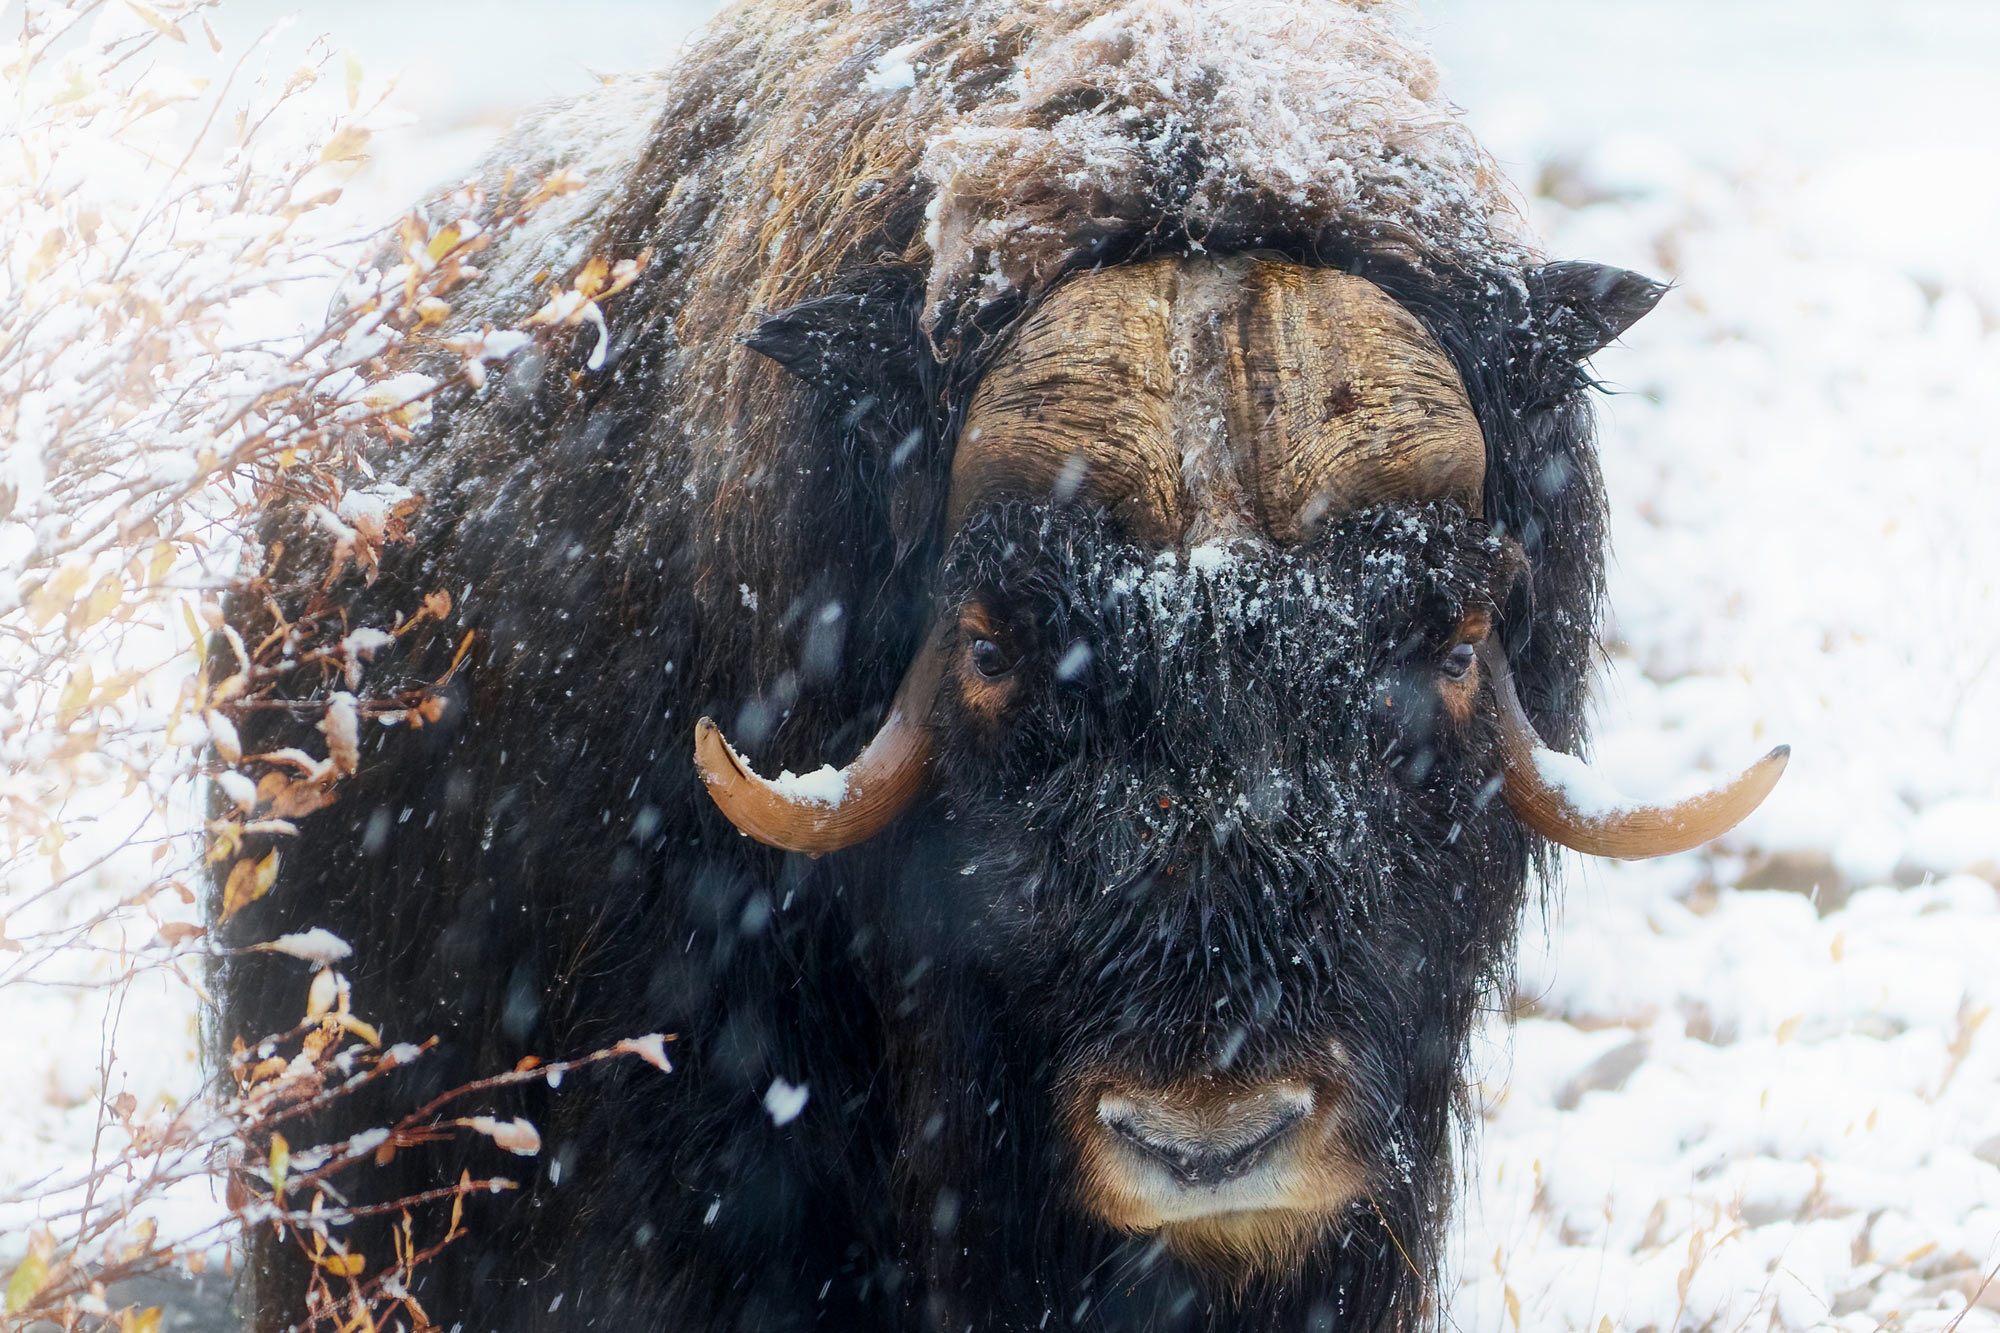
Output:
x,y
1033,133
1316,116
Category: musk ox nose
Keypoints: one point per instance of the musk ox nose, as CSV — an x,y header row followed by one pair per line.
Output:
x,y
1206,1144
1239,1175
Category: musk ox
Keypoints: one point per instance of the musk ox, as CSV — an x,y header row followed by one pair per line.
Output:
x,y
1123,455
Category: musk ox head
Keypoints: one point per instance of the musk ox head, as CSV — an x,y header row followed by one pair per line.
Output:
x,y
1217,720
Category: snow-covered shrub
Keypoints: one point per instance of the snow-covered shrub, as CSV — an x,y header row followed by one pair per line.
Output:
x,y
163,377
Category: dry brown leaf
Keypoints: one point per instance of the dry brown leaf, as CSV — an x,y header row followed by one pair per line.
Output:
x,y
248,881
302,798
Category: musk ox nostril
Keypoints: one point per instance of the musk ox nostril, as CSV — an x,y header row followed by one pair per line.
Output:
x,y
1210,1147
1241,1176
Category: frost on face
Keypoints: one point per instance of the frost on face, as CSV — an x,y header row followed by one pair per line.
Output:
x,y
1199,669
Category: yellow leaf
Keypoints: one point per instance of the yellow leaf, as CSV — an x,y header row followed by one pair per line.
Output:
x,y
1789,1028
236,889
281,1161
353,78
116,688
57,594
591,281
442,243
78,89
140,1321
365,1031
1513,1305
343,1265
27,1280
349,144
248,881
32,1273
104,598
159,24
76,692
161,562
227,839
322,993
143,1236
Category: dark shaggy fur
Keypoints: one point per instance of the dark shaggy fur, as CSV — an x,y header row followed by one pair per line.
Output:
x,y
692,530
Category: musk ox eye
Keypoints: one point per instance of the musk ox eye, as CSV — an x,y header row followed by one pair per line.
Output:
x,y
990,660
1457,664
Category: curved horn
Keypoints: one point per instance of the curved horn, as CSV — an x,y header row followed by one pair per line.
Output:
x,y
1557,796
840,809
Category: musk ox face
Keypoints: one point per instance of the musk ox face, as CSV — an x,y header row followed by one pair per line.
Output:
x,y
1225,820
1214,707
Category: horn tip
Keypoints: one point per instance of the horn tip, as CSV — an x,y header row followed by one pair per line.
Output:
x,y
714,757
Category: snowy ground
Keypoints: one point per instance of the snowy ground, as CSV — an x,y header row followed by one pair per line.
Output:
x,y
1729,1106
1750,1088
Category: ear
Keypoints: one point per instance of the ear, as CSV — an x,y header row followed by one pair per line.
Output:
x,y
863,354
1578,309
859,346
